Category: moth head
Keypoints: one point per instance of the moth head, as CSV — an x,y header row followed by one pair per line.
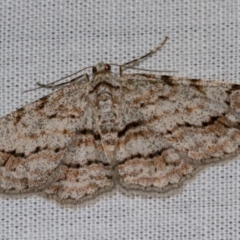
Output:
x,y
101,67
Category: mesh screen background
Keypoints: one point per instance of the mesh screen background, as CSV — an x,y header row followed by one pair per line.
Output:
x,y
45,40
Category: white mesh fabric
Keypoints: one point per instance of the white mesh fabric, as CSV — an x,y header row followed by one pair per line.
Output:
x,y
45,40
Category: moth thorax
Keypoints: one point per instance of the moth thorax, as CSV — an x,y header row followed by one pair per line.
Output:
x,y
107,119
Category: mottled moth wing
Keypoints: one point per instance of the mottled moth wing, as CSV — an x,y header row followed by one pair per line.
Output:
x,y
143,131
175,126
52,145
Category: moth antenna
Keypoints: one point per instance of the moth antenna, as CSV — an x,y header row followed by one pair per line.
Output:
x,y
136,60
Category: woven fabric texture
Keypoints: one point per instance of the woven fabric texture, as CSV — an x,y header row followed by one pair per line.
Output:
x,y
45,40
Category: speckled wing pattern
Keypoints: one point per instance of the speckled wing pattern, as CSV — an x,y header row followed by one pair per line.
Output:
x,y
178,126
52,145
144,132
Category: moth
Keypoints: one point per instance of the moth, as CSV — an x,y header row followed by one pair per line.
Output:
x,y
142,131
